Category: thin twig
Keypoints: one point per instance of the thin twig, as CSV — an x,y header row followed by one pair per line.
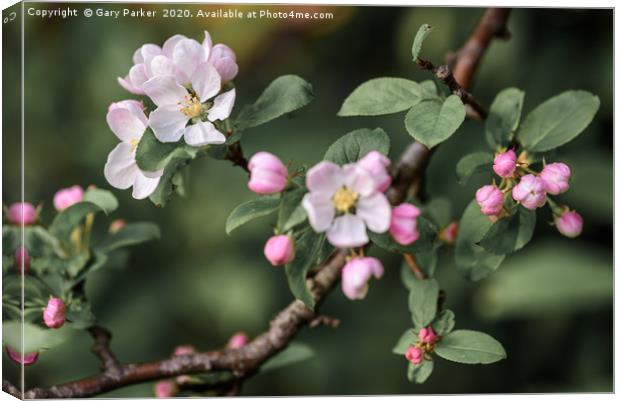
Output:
x,y
101,348
415,268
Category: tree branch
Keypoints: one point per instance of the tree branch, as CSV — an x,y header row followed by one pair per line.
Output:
x,y
101,348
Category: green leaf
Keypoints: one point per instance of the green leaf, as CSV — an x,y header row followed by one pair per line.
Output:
x,y
503,118
284,95
511,233
69,218
131,234
439,211
307,249
430,88
432,122
423,32
296,352
35,337
153,155
79,315
381,96
444,322
356,144
558,120
408,338
40,242
423,301
471,259
421,372
472,347
96,262
425,243
101,197
291,212
251,210
473,163
168,182
426,260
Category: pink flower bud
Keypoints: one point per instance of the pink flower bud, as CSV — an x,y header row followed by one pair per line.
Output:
x,y
125,104
570,224
24,210
54,313
22,259
530,192
224,60
165,389
490,199
555,177
279,250
505,163
414,355
268,174
356,274
238,340
67,197
376,164
184,350
427,335
404,224
448,233
116,226
17,357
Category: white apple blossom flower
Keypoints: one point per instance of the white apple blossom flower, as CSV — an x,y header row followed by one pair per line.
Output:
x,y
128,121
343,202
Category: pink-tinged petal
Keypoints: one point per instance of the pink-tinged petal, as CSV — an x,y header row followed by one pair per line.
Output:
x,y
170,43
120,169
348,231
320,210
227,68
206,81
17,357
203,133
164,91
375,266
160,65
376,212
187,55
144,186
149,50
325,178
125,124
358,180
207,44
220,51
168,123
137,56
126,84
222,106
137,75
128,104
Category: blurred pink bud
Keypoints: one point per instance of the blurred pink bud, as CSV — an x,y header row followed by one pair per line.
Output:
x,y
117,225
414,355
555,177
404,223
27,359
25,210
124,104
165,389
448,233
184,350
268,174
356,274
505,163
224,60
530,192
67,197
22,259
238,340
376,164
490,199
54,313
427,335
570,224
279,250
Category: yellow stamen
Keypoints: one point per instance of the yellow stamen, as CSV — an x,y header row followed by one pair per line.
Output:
x,y
344,199
134,144
190,106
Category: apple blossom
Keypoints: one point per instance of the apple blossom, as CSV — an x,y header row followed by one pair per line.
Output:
x,y
279,250
530,192
27,359
165,389
344,201
569,224
427,335
376,164
128,121
414,355
54,313
22,259
238,340
403,225
356,274
555,177
268,175
222,57
490,199
67,197
22,212
505,163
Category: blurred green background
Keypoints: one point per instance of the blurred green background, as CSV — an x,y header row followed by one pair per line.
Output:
x,y
550,304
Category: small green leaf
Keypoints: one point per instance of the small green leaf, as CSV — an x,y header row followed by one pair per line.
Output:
x,y
432,122
430,88
425,243
103,198
35,337
356,144
423,32
284,95
131,234
511,233
41,243
251,210
408,338
79,315
444,322
295,352
421,372
291,212
439,211
69,218
168,182
307,249
381,96
558,120
423,301
503,118
473,163
466,346
153,155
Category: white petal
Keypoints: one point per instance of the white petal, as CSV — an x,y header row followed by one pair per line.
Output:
x,y
120,169
161,65
137,75
164,90
203,133
207,44
376,212
206,81
358,180
325,177
143,186
170,43
187,55
222,106
125,124
168,123
320,210
348,231
128,86
149,51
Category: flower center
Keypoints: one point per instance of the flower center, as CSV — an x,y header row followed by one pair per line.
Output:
x,y
134,144
190,106
344,199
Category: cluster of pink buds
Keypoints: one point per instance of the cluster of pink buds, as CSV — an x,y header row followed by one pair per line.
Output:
x,y
530,189
427,338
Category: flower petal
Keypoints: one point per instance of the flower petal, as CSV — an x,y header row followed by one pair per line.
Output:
x,y
125,124
187,55
168,123
222,106
120,169
348,231
206,81
128,86
203,133
137,75
358,180
164,90
325,177
144,186
226,67
207,44
170,43
376,212
320,210
160,65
